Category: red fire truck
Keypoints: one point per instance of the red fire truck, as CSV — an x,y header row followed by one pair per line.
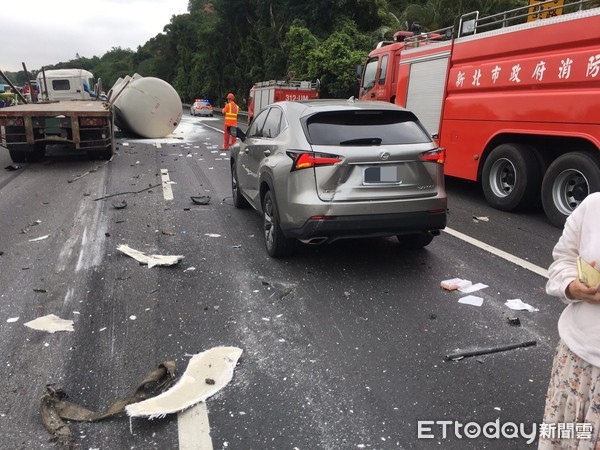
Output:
x,y
514,98
265,92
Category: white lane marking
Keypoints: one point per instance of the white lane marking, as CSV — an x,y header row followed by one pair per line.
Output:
x,y
166,185
496,251
194,429
213,128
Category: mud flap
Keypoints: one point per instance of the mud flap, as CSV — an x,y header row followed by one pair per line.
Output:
x,y
55,407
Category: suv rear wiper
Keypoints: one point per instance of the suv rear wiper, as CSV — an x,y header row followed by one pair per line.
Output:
x,y
363,141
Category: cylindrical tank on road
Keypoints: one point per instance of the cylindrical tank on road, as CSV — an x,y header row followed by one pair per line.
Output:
x,y
149,107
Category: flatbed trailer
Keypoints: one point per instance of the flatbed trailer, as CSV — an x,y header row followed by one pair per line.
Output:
x,y
85,125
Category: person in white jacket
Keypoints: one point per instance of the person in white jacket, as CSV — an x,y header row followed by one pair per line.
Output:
x,y
573,399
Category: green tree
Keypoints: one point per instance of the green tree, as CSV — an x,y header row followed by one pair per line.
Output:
x,y
334,61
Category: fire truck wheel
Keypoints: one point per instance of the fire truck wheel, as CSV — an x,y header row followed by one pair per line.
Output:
x,y
511,177
239,201
569,179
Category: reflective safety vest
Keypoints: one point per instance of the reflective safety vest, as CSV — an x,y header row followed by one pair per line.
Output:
x,y
231,112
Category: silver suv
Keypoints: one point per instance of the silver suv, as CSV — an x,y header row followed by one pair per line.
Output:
x,y
321,170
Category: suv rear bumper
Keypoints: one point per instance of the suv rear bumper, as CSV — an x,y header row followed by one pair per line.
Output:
x,y
371,225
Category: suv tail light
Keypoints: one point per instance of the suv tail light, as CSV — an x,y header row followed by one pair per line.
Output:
x,y
306,160
437,155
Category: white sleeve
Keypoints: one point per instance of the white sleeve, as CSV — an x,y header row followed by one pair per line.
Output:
x,y
564,268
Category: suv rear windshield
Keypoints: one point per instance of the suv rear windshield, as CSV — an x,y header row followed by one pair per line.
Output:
x,y
365,128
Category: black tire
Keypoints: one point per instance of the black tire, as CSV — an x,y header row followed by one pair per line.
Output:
x,y
568,180
22,156
239,201
511,177
414,241
276,243
18,156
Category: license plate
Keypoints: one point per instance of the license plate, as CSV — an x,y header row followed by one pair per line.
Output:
x,y
378,175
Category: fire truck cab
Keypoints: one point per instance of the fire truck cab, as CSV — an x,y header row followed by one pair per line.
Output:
x,y
514,98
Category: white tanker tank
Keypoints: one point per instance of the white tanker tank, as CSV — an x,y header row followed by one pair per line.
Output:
x,y
147,106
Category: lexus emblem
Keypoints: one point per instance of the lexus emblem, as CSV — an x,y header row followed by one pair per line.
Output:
x,y
384,155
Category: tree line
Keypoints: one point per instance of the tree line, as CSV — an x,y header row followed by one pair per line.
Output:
x,y
222,46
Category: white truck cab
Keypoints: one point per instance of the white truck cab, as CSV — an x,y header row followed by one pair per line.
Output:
x,y
66,84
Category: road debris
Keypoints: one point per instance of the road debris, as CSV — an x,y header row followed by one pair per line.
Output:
x,y
473,288
12,320
216,364
514,321
50,323
481,219
41,238
55,407
459,354
212,235
150,260
471,300
128,192
119,205
12,167
95,169
39,290
455,283
32,224
518,305
201,200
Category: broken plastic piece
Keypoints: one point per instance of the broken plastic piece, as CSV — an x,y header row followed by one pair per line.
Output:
x,y
216,364
50,323
201,200
151,260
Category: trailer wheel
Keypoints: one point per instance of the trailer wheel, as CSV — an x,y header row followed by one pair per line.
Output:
x,y
18,156
511,177
21,156
569,179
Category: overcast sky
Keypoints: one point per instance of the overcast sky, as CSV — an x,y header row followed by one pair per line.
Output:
x,y
46,32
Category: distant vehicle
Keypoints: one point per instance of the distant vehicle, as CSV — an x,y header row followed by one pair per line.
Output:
x,y
201,108
322,170
266,92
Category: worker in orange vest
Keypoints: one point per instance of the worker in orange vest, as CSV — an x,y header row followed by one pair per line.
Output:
x,y
230,113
